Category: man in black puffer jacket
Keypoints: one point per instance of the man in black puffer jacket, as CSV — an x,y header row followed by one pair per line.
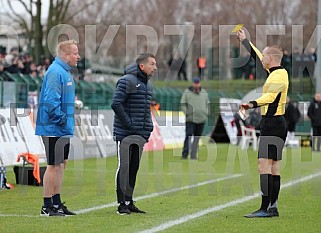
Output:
x,y
132,126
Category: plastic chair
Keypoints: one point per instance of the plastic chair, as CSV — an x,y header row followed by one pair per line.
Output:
x,y
248,136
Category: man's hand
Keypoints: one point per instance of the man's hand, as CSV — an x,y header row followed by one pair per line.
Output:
x,y
241,35
246,106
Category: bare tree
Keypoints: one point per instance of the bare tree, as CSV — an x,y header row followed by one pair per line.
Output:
x,y
156,14
58,12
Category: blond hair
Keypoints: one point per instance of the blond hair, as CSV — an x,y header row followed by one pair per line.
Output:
x,y
64,47
276,52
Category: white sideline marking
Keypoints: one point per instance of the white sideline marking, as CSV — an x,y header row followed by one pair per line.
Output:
x,y
223,206
159,193
137,198
19,215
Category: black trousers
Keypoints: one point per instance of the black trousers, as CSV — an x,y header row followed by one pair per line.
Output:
x,y
129,153
192,129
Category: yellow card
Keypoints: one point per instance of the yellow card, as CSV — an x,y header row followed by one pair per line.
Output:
x,y
237,28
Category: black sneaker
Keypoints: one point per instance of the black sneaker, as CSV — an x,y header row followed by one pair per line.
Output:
x,y
123,209
64,210
274,211
259,214
50,211
134,209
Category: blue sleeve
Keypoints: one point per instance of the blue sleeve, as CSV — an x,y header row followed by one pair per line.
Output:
x,y
52,99
119,101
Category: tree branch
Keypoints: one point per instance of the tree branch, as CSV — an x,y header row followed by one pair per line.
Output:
x,y
20,19
63,15
25,6
80,10
59,7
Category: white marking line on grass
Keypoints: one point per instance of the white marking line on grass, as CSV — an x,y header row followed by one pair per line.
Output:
x,y
138,198
220,207
18,215
160,193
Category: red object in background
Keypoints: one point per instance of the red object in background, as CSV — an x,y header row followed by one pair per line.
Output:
x,y
10,186
201,62
34,160
155,140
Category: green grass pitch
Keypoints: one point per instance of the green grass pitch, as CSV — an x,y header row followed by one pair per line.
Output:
x,y
178,195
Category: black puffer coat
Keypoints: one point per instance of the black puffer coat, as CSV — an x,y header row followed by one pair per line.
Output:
x,y
314,112
131,104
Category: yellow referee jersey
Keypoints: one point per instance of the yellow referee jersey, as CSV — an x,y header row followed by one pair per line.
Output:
x,y
275,89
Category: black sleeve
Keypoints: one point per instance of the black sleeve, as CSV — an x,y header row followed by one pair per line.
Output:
x,y
311,111
259,66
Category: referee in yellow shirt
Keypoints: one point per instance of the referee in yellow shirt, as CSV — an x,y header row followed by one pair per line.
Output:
x,y
273,125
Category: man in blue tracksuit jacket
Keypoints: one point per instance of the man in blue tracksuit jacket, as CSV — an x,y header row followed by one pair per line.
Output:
x,y
132,126
55,123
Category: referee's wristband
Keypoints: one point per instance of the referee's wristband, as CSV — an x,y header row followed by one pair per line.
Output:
x,y
254,103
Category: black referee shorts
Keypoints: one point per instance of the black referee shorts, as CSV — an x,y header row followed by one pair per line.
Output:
x,y
57,149
272,137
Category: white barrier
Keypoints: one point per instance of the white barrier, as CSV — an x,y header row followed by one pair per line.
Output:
x,y
17,138
93,129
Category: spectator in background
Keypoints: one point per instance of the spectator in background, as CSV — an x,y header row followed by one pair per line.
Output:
x,y
88,75
292,116
177,67
27,62
296,59
312,54
201,65
194,104
46,63
82,66
314,113
41,71
307,63
13,63
286,61
34,74
182,69
309,60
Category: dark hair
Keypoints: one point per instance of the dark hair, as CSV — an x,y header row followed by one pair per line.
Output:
x,y
142,58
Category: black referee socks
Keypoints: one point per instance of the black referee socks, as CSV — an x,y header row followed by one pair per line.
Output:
x,y
275,190
266,184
